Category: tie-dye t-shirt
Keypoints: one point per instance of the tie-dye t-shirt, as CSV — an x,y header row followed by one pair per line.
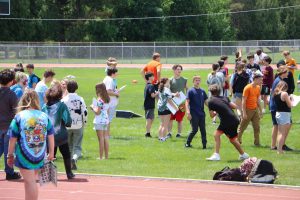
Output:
x,y
102,118
31,128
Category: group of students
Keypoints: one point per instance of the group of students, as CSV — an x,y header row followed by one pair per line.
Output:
x,y
252,82
37,119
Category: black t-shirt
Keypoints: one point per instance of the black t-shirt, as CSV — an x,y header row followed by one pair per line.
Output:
x,y
149,102
222,107
253,67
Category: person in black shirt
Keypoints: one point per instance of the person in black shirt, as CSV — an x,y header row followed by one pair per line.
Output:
x,y
228,122
289,80
252,65
149,102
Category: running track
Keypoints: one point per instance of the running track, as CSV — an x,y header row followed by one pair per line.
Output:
x,y
88,187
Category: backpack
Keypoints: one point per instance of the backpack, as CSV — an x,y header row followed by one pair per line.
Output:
x,y
228,174
263,171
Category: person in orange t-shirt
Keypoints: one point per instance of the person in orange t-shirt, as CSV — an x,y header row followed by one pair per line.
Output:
x,y
153,66
251,108
290,62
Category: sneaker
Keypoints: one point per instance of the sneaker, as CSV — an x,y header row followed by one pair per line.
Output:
x,y
273,148
178,135
204,146
188,145
214,157
162,139
286,148
244,156
70,175
148,135
14,176
73,164
169,135
263,111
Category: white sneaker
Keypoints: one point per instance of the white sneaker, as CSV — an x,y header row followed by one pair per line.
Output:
x,y
263,111
244,156
214,157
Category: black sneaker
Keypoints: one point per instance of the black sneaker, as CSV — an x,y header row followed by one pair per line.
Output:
x,y
70,175
73,164
148,135
169,135
178,135
204,146
14,176
188,145
286,148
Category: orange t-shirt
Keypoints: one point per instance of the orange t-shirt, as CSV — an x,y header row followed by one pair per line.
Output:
x,y
153,66
291,62
252,93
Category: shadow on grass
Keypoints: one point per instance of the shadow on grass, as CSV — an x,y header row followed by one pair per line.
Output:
x,y
123,138
116,158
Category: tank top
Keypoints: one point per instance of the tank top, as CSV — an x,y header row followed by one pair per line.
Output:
x,y
281,105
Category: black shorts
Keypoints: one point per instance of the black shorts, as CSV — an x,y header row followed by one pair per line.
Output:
x,y
265,90
230,130
165,112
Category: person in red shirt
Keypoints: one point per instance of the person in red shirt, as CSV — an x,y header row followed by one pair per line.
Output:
x,y
153,66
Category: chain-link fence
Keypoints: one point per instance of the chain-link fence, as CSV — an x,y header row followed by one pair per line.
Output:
x,y
194,52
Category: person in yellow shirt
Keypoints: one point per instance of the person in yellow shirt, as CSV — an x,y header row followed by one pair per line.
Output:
x,y
290,62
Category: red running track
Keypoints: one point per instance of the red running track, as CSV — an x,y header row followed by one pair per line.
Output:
x,y
89,187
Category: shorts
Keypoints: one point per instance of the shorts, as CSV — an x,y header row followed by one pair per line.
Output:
x,y
273,115
100,127
149,114
238,95
178,116
265,90
111,113
283,118
230,130
165,112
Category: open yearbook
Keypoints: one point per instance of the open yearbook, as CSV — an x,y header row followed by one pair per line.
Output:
x,y
48,173
177,102
295,100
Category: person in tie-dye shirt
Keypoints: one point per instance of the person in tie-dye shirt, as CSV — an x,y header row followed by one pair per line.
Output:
x,y
28,133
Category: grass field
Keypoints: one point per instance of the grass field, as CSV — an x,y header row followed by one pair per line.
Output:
x,y
133,154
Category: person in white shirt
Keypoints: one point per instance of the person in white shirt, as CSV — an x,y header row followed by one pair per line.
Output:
x,y
42,87
111,87
78,112
259,56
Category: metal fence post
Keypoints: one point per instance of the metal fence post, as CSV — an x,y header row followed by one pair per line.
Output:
x,y
221,48
154,49
90,52
59,61
28,57
122,51
187,49
201,50
166,55
130,55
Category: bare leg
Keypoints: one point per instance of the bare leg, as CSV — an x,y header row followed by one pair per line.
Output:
x,y
100,135
282,133
31,188
165,124
237,145
217,136
274,136
106,144
179,129
170,126
148,125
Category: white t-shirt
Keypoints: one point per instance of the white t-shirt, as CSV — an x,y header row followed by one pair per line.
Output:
x,y
259,58
111,85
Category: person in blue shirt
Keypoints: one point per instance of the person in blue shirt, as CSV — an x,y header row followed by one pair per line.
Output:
x,y
19,87
32,79
195,100
42,87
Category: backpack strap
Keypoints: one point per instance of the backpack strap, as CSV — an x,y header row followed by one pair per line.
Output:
x,y
254,169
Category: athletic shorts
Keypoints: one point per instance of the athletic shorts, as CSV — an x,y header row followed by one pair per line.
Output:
x,y
149,114
229,130
283,118
265,90
165,112
178,116
100,127
274,120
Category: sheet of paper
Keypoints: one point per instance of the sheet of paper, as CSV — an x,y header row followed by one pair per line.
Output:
x,y
296,100
179,100
171,108
122,88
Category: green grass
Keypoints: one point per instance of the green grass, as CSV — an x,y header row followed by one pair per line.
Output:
x,y
132,154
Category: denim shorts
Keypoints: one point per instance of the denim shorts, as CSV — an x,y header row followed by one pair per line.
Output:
x,y
100,127
283,118
238,95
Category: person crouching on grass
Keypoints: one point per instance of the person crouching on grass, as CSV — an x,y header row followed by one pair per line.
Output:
x,y
228,122
164,97
101,120
25,152
149,102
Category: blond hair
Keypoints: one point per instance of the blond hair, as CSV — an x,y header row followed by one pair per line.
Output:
x,y
20,76
29,99
281,87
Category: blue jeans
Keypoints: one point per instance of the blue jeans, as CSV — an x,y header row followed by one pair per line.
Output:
x,y
75,140
4,141
196,123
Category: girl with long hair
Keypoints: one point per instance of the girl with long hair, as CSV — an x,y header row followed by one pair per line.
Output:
x,y
283,113
28,133
101,120
164,97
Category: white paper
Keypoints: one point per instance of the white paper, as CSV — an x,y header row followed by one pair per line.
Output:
x,y
171,108
177,101
295,100
94,102
122,88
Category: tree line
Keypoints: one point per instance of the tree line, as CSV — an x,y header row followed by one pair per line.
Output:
x,y
263,25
